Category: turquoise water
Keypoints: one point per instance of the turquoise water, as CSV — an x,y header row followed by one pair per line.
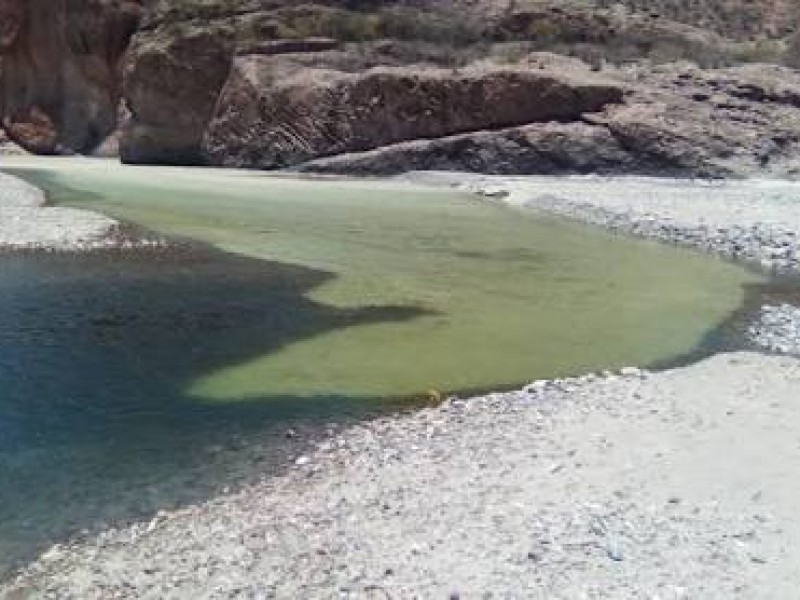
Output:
x,y
133,381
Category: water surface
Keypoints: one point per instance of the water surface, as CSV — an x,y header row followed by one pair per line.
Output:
x,y
503,295
132,381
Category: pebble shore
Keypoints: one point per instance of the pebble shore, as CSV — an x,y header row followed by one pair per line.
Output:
x,y
27,223
755,221
672,485
778,329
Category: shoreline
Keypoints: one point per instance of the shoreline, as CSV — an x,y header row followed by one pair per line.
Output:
x,y
743,220
754,222
28,223
612,485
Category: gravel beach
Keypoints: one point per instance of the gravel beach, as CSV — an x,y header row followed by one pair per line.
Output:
x,y
672,485
27,223
681,484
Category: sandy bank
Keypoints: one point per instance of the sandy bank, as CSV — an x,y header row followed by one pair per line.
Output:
x,y
26,223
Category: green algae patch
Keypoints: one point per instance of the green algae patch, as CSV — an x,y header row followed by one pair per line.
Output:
x,y
496,296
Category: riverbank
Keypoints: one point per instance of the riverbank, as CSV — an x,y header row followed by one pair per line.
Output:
x,y
27,223
673,485
755,221
678,484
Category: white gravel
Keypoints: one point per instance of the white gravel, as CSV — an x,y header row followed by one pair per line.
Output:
x,y
682,484
26,223
756,221
778,329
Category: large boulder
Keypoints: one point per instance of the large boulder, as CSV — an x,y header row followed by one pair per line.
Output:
x,y
171,88
60,79
267,119
536,149
676,120
181,56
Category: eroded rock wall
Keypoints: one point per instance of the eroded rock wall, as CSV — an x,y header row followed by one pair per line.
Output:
x,y
271,83
60,79
382,86
264,123
676,120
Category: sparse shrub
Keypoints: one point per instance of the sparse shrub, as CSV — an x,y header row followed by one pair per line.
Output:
x,y
387,23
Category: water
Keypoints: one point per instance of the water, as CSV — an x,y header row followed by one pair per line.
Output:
x,y
136,381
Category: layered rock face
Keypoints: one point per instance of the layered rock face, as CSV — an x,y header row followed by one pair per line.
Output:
x,y
60,79
260,122
676,120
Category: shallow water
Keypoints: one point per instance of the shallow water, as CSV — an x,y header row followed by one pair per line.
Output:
x,y
130,382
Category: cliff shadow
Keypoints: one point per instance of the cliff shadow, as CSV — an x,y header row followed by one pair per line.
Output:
x,y
96,353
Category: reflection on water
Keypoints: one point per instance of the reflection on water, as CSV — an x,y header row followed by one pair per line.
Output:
x,y
134,382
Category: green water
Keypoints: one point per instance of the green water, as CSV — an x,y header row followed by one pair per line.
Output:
x,y
132,381
500,296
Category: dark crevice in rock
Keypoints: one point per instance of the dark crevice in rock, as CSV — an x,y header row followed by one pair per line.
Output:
x,y
60,83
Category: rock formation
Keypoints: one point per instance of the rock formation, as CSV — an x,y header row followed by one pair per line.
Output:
x,y
374,86
676,120
171,89
543,148
60,80
736,121
264,123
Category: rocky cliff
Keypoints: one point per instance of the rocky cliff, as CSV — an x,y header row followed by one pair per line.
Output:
x,y
260,122
60,70
382,86
675,120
